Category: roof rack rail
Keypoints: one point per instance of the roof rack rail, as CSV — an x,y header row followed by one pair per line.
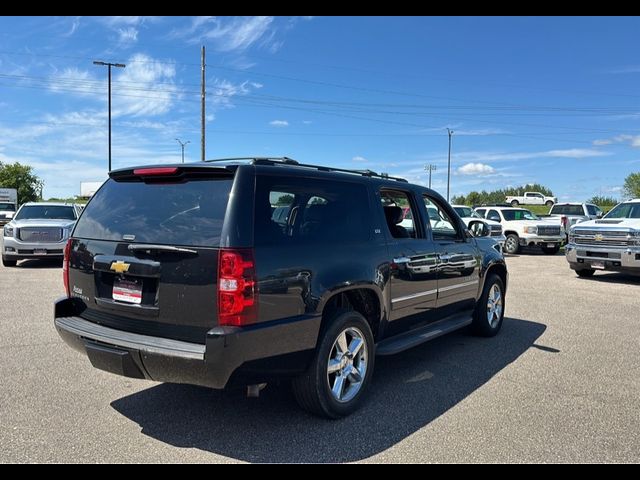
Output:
x,y
494,205
321,168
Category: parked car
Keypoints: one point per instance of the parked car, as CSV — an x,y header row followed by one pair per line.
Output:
x,y
524,229
575,213
612,243
8,204
179,274
468,215
531,198
38,231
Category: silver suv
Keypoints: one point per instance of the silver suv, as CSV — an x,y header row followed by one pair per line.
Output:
x,y
38,230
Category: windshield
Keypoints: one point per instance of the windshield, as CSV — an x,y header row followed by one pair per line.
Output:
x,y
625,210
466,212
522,214
8,206
48,212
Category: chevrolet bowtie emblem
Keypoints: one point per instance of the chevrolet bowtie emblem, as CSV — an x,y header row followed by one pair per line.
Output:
x,y
120,266
598,237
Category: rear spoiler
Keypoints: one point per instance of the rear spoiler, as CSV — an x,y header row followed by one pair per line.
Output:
x,y
171,172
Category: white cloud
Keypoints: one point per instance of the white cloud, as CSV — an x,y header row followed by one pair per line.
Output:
x,y
234,34
307,122
476,169
602,142
358,158
127,36
279,123
576,153
223,90
74,80
75,23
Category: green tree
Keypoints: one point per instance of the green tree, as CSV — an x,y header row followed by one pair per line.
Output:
x,y
603,201
631,187
22,178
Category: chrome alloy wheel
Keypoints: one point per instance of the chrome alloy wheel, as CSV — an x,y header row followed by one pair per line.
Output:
x,y
494,306
347,365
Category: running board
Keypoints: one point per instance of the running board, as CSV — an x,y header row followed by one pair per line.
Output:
x,y
407,340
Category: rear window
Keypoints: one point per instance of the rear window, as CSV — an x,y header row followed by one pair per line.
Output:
x,y
593,210
48,212
8,207
307,211
567,210
511,215
190,213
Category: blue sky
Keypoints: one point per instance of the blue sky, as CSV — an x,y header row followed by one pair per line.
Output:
x,y
549,100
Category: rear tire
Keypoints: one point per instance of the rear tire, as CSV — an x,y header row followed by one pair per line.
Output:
x,y
489,313
585,273
512,244
338,393
515,203
550,251
8,263
549,203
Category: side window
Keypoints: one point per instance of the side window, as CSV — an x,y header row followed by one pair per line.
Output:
x,y
399,213
307,211
442,226
494,215
481,211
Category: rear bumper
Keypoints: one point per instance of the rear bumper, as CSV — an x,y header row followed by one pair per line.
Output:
x,y
211,364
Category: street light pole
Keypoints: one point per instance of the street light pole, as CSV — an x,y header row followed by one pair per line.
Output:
x,y
182,144
109,65
450,132
430,168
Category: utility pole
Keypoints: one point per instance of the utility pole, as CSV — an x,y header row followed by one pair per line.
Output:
x,y
109,65
450,132
182,144
430,168
202,96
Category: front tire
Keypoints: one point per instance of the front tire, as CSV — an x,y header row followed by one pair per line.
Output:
x,y
341,370
489,313
512,244
515,203
551,250
8,263
549,203
585,273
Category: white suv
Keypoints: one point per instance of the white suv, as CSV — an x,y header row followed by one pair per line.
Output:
x,y
524,229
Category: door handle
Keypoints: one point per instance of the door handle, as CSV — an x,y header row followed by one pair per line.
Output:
x,y
401,260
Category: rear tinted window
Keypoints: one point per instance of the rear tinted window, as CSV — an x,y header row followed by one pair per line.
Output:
x,y
567,210
593,210
8,207
189,213
49,212
306,211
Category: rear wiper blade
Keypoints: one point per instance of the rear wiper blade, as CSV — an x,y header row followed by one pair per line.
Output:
x,y
140,247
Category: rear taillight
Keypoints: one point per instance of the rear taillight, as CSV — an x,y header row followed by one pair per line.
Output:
x,y
565,222
65,267
237,287
155,171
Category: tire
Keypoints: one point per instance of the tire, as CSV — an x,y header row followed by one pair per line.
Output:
x,y
551,251
515,203
313,390
549,203
8,263
489,313
585,273
512,244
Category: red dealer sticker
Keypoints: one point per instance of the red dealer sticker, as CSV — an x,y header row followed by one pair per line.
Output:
x,y
129,291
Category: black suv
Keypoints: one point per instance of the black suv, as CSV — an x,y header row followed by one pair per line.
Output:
x,y
237,273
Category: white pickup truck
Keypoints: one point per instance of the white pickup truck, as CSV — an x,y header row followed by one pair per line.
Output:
x,y
8,204
612,243
531,198
524,229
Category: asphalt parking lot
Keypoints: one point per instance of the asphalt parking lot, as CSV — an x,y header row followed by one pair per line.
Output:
x,y
561,383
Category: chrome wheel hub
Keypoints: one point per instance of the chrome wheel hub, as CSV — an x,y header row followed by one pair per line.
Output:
x,y
347,364
494,305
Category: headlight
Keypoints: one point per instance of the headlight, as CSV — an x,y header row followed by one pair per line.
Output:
x,y
637,235
531,230
572,238
8,231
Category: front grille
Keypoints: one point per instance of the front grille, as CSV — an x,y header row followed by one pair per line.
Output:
x,y
496,230
40,234
548,231
604,238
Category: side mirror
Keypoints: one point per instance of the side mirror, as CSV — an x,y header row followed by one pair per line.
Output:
x,y
600,215
479,229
